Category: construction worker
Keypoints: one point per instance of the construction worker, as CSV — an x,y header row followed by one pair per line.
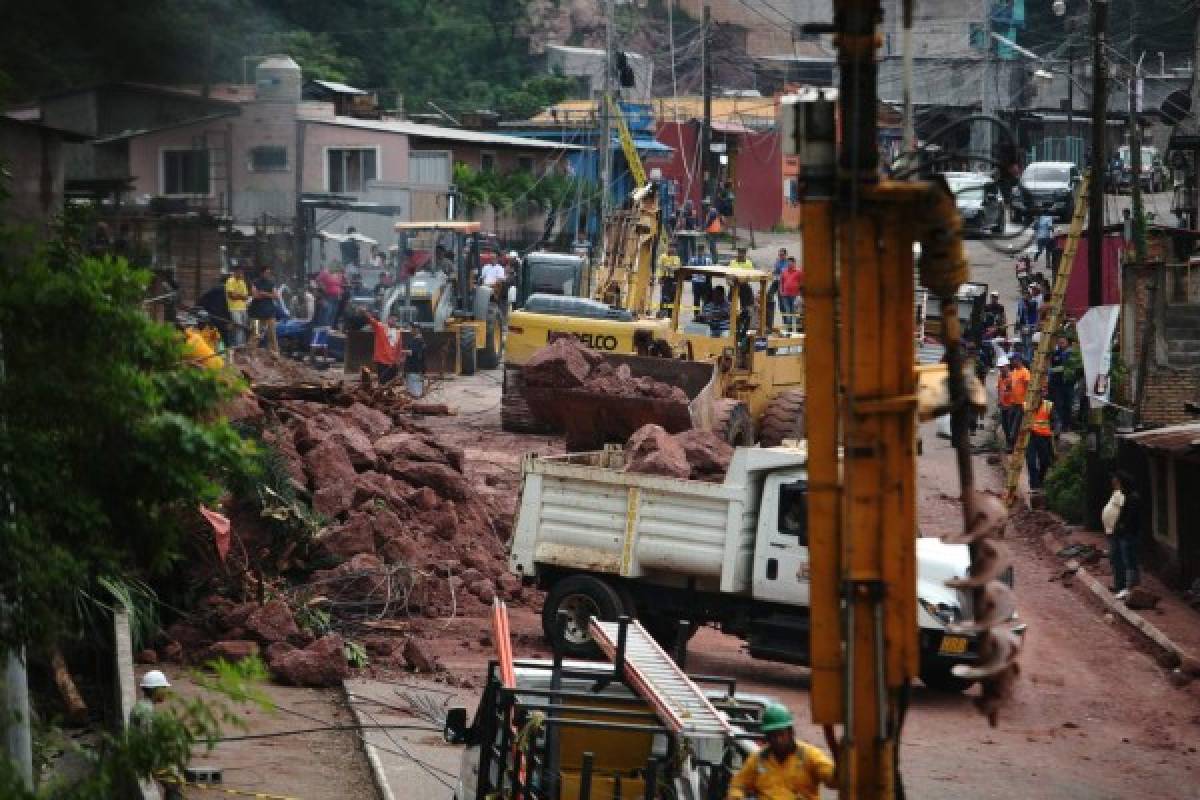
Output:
x,y
1039,453
1004,398
200,343
1020,377
712,229
387,350
667,264
785,769
236,297
154,685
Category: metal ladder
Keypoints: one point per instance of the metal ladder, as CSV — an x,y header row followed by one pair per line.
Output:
x,y
680,704
1049,327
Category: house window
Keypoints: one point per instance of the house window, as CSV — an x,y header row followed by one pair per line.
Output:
x,y
525,164
185,172
487,162
351,168
268,158
429,167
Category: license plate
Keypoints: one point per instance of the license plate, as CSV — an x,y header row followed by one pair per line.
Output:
x,y
953,645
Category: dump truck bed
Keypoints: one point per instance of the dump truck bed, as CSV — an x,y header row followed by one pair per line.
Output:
x,y
590,419
584,512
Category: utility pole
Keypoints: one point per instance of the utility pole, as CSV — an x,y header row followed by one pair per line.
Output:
x,y
1094,481
706,127
987,104
1070,91
606,125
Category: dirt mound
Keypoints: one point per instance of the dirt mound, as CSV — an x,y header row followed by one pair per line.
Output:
x,y
695,455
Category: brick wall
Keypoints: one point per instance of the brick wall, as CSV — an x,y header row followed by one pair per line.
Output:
x,y
1167,387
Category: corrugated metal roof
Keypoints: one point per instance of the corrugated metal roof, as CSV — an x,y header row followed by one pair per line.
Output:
x,y
447,134
339,88
1179,440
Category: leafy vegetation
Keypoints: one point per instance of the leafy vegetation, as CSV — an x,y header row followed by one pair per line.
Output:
x,y
463,55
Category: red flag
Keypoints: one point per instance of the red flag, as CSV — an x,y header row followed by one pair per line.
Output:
x,y
220,526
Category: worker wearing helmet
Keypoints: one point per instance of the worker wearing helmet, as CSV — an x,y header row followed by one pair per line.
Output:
x,y
154,685
785,769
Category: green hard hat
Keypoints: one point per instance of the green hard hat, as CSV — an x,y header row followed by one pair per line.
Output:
x,y
775,718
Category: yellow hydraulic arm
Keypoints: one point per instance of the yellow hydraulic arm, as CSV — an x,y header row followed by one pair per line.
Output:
x,y
861,421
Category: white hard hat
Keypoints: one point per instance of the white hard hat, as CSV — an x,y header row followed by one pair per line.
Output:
x,y
513,254
154,679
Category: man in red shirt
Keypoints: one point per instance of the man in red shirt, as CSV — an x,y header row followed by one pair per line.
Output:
x,y
386,354
791,290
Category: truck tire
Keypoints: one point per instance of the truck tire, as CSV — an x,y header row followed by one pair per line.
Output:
x,y
784,418
493,347
941,679
582,597
731,421
466,351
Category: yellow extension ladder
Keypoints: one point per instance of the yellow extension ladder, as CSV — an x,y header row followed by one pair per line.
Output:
x,y
1049,327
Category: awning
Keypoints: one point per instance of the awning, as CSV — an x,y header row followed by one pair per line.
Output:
x,y
720,126
1181,441
646,145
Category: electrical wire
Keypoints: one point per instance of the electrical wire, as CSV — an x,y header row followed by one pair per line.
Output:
x,y
324,729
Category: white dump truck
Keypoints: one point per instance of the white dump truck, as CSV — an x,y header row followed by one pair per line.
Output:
x,y
604,542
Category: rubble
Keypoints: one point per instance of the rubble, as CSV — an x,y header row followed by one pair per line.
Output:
x,y
694,454
398,523
567,364
1140,599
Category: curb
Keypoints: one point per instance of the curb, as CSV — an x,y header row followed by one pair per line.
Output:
x,y
378,777
1135,620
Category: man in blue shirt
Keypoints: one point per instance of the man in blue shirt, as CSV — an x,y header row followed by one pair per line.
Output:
x,y
773,288
1060,389
1043,229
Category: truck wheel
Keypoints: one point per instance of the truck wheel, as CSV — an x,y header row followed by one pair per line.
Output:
x,y
731,421
941,679
582,597
466,353
493,348
784,418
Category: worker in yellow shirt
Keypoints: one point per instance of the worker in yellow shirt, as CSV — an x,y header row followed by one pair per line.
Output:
x,y
667,264
236,296
200,342
785,769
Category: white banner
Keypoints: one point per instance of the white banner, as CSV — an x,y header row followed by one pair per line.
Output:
x,y
1095,329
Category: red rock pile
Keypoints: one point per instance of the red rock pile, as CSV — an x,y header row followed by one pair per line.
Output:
x,y
406,536
695,455
567,364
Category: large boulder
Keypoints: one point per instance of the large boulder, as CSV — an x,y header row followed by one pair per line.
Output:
x,y
357,446
653,451
561,364
409,447
444,480
328,464
232,650
368,420
322,663
356,535
272,622
707,452
362,576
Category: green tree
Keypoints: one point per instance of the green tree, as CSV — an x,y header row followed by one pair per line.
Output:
x,y
108,436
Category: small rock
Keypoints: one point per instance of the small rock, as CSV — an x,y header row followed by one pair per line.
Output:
x,y
173,652
327,465
1178,678
653,451
146,656
425,499
1190,665
368,420
1141,599
1168,659
334,501
1069,725
445,480
233,650
417,659
356,535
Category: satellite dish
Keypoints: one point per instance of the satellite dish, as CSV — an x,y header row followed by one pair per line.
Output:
x,y
1177,106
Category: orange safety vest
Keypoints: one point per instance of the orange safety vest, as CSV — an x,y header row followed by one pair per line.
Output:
x,y
1004,391
715,225
1041,420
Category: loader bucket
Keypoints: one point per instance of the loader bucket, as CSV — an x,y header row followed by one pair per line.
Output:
x,y
591,419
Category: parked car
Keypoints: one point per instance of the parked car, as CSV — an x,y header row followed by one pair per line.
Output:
x,y
1046,186
979,201
1154,178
